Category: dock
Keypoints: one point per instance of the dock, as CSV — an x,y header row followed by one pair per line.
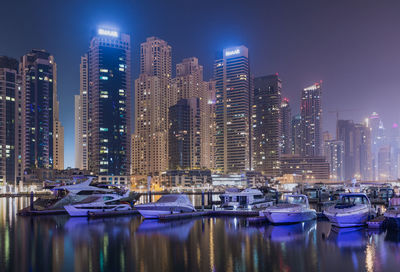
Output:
x,y
112,213
28,212
178,216
377,223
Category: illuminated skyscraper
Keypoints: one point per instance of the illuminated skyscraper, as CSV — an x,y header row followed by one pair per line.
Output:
x,y
152,99
286,127
334,153
188,84
40,118
81,118
267,128
184,138
296,134
109,96
232,76
311,121
11,168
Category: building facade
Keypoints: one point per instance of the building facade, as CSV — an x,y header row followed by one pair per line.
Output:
x,y
286,127
40,115
296,134
311,120
334,153
109,96
11,132
153,98
232,110
309,168
267,127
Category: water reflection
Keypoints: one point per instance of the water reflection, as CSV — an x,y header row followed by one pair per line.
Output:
x,y
60,243
175,229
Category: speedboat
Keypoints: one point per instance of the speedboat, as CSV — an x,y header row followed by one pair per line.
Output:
x,y
101,203
392,214
167,204
246,199
295,209
352,210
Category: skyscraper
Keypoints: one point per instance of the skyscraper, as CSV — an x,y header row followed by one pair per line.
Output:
x,y
286,127
40,115
152,99
11,168
188,84
384,163
267,128
311,118
81,117
357,149
296,134
232,77
378,141
184,135
334,153
109,96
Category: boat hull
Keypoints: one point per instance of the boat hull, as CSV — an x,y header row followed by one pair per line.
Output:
x,y
154,214
393,221
81,212
276,217
345,220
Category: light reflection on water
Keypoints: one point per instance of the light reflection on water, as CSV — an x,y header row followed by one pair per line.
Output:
x,y
60,243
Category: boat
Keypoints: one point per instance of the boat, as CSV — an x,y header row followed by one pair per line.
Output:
x,y
392,214
295,209
167,204
352,210
246,199
101,203
316,194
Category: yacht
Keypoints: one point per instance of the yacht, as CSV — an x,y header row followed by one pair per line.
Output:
x,y
246,199
392,214
167,204
295,209
352,210
71,194
101,203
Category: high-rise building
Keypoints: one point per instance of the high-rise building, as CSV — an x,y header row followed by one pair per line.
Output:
x,y
189,83
296,134
184,138
357,149
384,163
286,127
232,110
153,97
109,96
378,141
334,153
267,128
11,133
40,116
311,119
309,168
81,117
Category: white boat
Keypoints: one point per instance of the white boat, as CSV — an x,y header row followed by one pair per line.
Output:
x,y
167,204
246,199
392,214
295,209
352,210
99,203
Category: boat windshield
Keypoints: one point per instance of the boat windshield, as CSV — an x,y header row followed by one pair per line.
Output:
x,y
354,199
295,200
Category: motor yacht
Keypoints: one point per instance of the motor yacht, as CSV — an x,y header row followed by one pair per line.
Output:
x,y
246,199
392,214
167,204
352,210
101,203
295,209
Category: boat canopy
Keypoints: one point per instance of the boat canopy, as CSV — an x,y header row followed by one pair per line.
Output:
x,y
179,199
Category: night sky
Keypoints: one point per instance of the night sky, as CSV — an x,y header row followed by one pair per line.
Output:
x,y
353,46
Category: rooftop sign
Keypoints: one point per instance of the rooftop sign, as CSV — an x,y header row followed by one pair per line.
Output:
x,y
107,32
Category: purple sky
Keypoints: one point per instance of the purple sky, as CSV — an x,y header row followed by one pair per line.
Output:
x,y
351,45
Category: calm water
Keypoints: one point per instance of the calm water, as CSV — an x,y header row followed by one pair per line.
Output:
x,y
60,243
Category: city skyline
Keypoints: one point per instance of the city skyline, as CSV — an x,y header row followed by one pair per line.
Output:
x,y
349,86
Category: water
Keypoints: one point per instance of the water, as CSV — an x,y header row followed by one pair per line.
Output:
x,y
60,243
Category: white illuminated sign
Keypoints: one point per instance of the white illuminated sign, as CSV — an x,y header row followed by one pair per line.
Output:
x,y
232,52
107,32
